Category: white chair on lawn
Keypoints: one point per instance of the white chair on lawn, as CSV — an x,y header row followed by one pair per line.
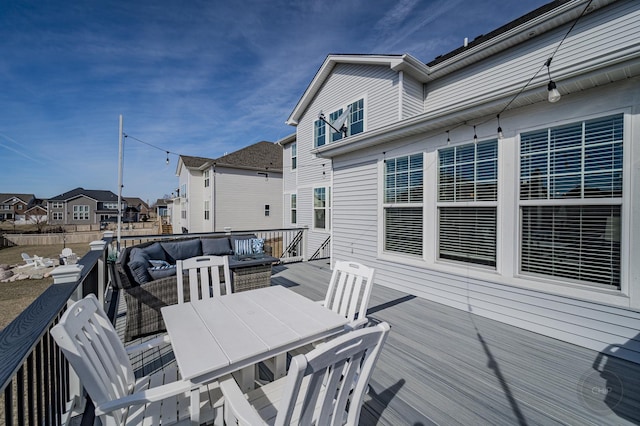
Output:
x,y
35,261
203,273
96,354
324,387
70,258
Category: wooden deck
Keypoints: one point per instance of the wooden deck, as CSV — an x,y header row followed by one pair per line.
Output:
x,y
445,366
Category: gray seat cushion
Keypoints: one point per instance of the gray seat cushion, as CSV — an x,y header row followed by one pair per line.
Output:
x,y
181,250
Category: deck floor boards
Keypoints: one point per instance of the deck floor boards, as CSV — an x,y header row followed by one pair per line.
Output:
x,y
445,366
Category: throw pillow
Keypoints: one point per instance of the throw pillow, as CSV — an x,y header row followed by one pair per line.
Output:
x,y
155,251
257,245
216,246
138,264
181,250
243,247
158,272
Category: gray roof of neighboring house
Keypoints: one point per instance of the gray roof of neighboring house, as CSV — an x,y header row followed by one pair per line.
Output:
x,y
262,155
135,201
24,197
195,162
98,195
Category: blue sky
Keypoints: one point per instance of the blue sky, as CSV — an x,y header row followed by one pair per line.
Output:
x,y
192,77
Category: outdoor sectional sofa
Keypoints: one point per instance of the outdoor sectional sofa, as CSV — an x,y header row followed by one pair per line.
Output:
x,y
145,273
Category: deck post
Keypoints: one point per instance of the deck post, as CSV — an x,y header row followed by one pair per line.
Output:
x,y
67,274
102,284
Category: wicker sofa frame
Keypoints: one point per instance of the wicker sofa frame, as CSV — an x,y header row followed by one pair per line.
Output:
x,y
144,301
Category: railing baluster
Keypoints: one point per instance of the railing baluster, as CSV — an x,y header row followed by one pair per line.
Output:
x,y
8,404
20,395
47,380
39,384
30,389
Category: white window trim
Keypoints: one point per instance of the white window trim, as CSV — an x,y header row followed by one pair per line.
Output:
x,y
577,289
291,208
328,194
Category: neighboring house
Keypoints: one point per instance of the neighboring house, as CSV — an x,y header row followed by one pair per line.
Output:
x,y
82,207
136,209
238,191
36,215
14,206
161,209
529,217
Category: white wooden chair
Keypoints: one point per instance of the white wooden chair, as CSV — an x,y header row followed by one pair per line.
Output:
x,y
203,272
92,347
35,261
348,294
349,291
324,387
70,258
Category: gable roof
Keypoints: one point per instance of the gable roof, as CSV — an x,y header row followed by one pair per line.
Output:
x,y
405,62
259,156
98,195
196,162
25,198
135,201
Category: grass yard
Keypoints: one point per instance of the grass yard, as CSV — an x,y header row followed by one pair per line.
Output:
x,y
16,296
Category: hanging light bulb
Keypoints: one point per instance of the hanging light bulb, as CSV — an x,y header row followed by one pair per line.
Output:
x,y
500,135
554,95
448,139
167,161
475,136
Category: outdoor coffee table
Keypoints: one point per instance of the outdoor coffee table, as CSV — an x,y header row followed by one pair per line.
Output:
x,y
250,272
214,337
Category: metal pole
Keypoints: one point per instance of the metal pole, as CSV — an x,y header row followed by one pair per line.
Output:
x,y
120,149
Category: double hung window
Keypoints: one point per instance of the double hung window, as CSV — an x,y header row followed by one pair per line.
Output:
x,y
319,133
403,208
294,156
294,208
467,203
57,216
322,208
571,199
207,211
206,178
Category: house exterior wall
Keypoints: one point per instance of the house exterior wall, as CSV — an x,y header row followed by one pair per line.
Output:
x,y
240,196
412,97
289,184
594,317
81,201
180,213
615,28
379,86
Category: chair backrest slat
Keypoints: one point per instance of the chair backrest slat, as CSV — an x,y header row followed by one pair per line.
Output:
x,y
337,375
203,274
94,350
349,289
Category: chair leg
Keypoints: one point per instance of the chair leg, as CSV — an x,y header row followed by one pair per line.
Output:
x,y
195,407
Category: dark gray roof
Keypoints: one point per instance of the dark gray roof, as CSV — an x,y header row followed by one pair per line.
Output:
x,y
195,162
98,195
506,27
261,155
24,197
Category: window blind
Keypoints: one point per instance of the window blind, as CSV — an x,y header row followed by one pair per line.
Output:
x,y
579,162
468,234
403,230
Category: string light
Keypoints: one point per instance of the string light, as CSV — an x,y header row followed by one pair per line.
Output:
x,y
554,95
167,158
475,136
448,139
500,135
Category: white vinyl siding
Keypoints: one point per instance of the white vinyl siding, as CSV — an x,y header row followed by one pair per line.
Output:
x,y
412,97
467,203
571,197
403,196
616,30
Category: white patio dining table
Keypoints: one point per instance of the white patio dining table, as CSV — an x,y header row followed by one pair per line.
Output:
x,y
217,336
